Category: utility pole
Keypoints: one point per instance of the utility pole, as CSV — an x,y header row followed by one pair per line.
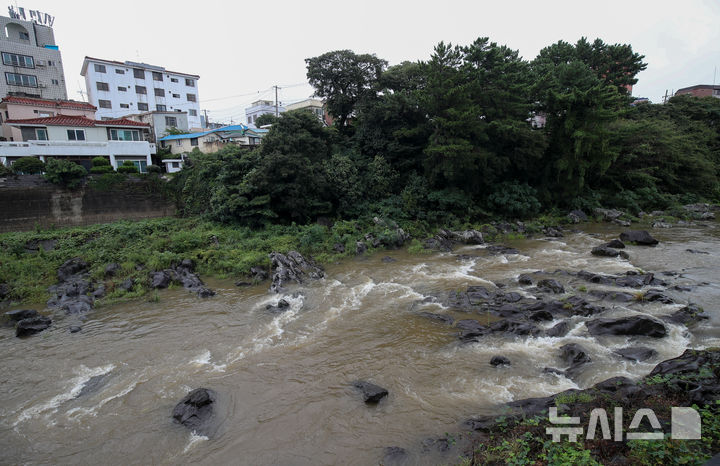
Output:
x,y
277,109
665,98
207,123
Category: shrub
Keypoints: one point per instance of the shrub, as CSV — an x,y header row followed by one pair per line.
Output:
x,y
127,167
4,170
28,166
101,169
514,200
154,169
100,162
64,173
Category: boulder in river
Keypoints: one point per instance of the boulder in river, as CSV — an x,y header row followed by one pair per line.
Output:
x,y
605,251
628,326
687,315
394,456
577,216
195,410
371,393
615,244
551,285
292,267
71,267
637,353
608,215
20,314
499,361
112,269
32,325
574,356
640,237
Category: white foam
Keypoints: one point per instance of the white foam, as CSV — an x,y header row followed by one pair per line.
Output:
x,y
204,359
75,386
194,439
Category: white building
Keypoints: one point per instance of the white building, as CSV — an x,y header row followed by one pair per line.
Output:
x,y
80,139
261,107
31,64
123,88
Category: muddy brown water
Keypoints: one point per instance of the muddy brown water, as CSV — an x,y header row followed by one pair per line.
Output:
x,y
283,380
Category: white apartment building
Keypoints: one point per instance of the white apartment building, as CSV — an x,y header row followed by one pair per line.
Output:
x,y
30,62
118,89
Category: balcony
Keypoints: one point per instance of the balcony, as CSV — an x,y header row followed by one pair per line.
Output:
x,y
76,148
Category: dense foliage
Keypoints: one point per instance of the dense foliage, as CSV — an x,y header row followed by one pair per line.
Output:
x,y
28,166
473,132
64,173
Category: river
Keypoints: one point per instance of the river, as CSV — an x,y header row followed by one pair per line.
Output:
x,y
283,380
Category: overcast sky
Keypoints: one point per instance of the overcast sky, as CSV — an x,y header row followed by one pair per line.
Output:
x,y
241,49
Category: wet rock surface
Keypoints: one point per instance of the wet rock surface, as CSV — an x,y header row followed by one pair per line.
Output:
x,y
32,325
292,268
639,237
181,274
371,393
195,411
628,326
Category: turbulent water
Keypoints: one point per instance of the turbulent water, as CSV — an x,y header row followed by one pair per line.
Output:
x,y
105,395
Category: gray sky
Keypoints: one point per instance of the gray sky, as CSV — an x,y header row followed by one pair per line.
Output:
x,y
241,49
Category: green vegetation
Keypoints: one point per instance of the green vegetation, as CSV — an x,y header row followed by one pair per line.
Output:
x,y
127,167
28,166
64,173
101,165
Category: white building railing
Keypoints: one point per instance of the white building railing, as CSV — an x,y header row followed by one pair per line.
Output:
x,y
111,149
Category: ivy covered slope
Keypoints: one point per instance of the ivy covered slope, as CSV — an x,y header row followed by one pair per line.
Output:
x,y
690,380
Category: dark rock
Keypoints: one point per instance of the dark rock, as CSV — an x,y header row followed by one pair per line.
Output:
x,y
160,279
99,292
499,361
558,330
388,259
622,223
637,353
605,251
596,278
553,232
574,355
371,393
499,249
616,296
635,281
441,444
292,267
195,410
281,306
205,292
339,248
525,279
695,251
465,237
360,248
187,264
4,291
657,296
394,456
445,319
551,285
470,329
127,284
577,216
92,385
75,329
438,243
242,283
514,327
259,274
660,225
482,423
71,267
616,244
540,316
633,325
608,215
689,314
552,370
20,314
511,297
31,326
640,237
112,269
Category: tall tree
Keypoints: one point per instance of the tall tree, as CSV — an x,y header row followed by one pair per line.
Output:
x,y
343,78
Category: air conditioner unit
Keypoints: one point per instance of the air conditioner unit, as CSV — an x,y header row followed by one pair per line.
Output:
x,y
40,62
43,86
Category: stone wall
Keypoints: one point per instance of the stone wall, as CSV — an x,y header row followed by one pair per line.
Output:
x,y
28,202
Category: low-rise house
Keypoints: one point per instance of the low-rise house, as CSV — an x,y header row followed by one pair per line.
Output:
x,y
701,90
162,123
315,106
213,140
262,107
20,108
80,139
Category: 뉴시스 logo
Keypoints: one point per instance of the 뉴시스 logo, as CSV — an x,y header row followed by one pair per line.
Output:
x,y
685,425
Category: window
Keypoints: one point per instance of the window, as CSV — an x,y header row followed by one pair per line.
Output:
x,y
41,134
76,134
124,134
99,68
104,103
173,80
122,89
157,76
142,106
161,108
102,86
191,98
175,164
194,141
17,79
192,112
55,81
119,71
51,63
140,90
124,106
176,96
24,35
159,92
14,59
141,165
189,82
138,73
170,121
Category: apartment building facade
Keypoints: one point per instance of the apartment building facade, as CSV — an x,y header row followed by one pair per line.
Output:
x,y
118,89
261,107
30,62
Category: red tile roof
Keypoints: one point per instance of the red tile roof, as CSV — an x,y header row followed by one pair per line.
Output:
x,y
69,104
74,120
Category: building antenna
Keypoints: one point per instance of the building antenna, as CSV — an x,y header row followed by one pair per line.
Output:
x,y
277,110
81,92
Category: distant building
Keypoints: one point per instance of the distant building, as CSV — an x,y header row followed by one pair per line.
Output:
x,y
161,122
261,107
19,108
213,140
316,106
700,90
31,63
125,88
80,139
